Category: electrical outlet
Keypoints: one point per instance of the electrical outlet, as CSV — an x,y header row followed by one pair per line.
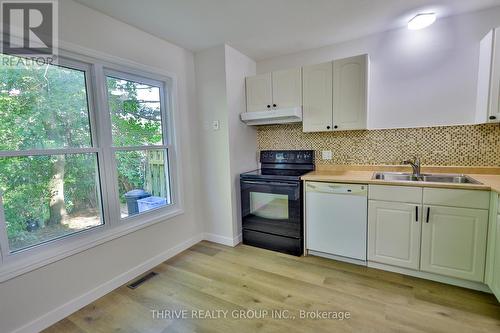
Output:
x,y
215,125
326,154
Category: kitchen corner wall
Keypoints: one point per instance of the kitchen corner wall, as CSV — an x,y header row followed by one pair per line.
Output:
x,y
242,138
228,150
470,145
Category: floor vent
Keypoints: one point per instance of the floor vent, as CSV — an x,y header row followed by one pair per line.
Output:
x,y
141,280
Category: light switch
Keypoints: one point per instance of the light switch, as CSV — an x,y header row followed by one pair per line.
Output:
x,y
215,125
326,154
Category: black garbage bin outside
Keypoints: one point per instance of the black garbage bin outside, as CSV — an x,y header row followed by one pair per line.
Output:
x,y
131,197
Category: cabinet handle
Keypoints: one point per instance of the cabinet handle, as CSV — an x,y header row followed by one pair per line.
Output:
x,y
416,213
327,127
335,126
493,117
269,106
274,105
428,213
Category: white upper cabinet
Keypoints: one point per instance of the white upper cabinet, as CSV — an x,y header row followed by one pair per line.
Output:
x,y
287,88
318,94
276,90
350,93
259,92
454,242
336,95
488,89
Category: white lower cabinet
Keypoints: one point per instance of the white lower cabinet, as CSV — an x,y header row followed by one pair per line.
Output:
x,y
454,242
493,262
394,233
438,231
495,282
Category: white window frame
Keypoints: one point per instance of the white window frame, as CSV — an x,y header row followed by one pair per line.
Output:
x,y
98,64
165,145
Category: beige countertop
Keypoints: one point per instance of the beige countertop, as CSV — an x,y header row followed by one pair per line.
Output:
x,y
488,176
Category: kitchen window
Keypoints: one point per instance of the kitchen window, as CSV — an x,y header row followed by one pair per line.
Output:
x,y
140,142
87,154
49,179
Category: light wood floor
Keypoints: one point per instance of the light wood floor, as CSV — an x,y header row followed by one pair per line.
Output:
x,y
214,277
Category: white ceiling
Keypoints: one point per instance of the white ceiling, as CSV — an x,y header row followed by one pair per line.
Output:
x,y
267,28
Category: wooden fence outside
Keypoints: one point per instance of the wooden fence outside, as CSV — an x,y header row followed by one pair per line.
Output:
x,y
155,182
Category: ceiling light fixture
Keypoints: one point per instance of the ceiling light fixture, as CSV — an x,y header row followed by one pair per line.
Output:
x,y
421,21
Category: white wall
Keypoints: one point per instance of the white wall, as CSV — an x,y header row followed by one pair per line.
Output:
x,y
33,295
417,78
214,144
220,83
242,138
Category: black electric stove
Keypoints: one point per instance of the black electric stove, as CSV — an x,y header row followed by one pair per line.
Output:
x,y
271,201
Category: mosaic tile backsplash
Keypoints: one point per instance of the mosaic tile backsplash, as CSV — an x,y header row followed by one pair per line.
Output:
x,y
468,145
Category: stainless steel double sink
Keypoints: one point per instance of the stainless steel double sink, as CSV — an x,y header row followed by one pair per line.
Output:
x,y
425,177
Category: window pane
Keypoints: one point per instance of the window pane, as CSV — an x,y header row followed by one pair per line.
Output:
x,y
47,197
135,113
143,180
42,106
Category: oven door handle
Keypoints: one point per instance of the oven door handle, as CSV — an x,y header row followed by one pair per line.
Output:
x,y
270,183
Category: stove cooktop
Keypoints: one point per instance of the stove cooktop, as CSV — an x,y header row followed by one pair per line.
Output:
x,y
278,174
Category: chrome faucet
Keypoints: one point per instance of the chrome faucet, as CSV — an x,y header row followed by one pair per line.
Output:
x,y
415,164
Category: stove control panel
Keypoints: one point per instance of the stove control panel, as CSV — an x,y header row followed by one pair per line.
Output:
x,y
287,156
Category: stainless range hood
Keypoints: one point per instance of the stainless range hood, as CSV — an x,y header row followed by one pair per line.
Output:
x,y
279,116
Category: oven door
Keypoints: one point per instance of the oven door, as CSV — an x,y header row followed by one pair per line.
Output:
x,y
273,207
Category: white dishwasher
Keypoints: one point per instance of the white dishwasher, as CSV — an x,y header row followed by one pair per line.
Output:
x,y
336,220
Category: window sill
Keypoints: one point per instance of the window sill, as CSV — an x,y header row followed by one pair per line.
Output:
x,y
55,251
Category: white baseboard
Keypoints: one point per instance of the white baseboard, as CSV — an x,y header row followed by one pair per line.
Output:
x,y
224,240
430,276
68,308
238,239
338,258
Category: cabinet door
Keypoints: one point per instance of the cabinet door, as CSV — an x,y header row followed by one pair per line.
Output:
x,y
495,283
494,109
287,88
350,93
259,92
490,242
394,233
454,242
317,97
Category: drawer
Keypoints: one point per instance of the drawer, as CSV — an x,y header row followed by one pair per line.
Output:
x,y
457,198
395,193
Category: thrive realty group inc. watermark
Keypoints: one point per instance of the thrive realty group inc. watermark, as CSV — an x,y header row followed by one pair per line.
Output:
x,y
29,31
249,314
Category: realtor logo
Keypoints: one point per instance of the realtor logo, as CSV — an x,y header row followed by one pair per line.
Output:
x,y
29,28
